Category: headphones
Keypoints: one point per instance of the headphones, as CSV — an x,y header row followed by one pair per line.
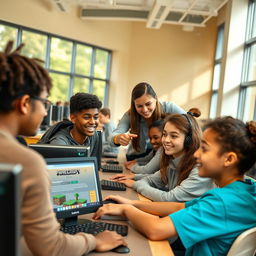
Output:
x,y
188,137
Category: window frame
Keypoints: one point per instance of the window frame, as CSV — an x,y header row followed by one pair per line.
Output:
x,y
249,43
71,74
217,61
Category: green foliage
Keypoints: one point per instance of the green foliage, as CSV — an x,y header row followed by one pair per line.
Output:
x,y
7,33
81,85
60,60
35,45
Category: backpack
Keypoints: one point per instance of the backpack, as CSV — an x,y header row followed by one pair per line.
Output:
x,y
46,138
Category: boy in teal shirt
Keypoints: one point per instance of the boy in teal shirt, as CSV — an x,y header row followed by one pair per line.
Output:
x,y
207,225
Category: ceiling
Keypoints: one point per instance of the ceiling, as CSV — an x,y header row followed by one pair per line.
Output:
x,y
188,13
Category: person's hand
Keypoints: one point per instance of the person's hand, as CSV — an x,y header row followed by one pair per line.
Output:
x,y
126,164
127,183
119,199
111,209
108,240
130,165
124,138
119,177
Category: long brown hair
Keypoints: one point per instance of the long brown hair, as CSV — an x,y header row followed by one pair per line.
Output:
x,y
138,91
188,125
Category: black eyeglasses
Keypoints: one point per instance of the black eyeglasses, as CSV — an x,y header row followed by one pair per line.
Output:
x,y
47,103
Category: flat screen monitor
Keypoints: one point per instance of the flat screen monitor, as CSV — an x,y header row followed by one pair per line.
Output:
x,y
55,151
57,113
10,177
99,149
75,187
46,123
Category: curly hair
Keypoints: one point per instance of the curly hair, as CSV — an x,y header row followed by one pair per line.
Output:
x,y
20,75
235,136
81,101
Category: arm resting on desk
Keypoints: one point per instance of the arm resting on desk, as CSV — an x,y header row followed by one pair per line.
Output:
x,y
155,208
153,227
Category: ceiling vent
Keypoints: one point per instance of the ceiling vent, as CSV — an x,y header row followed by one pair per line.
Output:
x,y
61,5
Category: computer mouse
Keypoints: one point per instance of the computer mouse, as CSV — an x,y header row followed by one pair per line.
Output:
x,y
109,201
121,249
112,162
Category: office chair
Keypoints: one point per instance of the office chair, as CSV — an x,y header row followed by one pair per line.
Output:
x,y
244,245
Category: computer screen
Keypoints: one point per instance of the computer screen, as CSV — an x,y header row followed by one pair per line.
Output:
x,y
46,123
57,113
75,187
99,149
55,151
10,177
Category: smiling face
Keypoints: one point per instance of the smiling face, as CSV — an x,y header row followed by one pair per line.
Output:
x,y
210,162
155,136
85,122
145,105
173,140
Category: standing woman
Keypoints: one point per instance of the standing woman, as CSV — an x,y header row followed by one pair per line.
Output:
x,y
145,109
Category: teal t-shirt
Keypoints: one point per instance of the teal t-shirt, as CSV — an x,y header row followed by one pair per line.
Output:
x,y
209,224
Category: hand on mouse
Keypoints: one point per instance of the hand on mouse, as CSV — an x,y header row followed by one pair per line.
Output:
x,y
108,240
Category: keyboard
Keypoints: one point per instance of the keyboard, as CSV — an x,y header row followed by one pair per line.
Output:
x,y
112,168
94,228
109,155
112,185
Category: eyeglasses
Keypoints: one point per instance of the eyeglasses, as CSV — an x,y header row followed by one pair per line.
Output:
x,y
47,103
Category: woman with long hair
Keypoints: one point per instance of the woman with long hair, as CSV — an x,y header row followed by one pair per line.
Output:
x,y
133,126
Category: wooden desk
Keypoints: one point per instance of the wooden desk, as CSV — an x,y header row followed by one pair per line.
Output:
x,y
139,245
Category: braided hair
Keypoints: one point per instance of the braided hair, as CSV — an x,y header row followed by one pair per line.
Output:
x,y
20,75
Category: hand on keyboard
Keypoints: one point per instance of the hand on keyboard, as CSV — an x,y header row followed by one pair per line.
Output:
x,y
128,183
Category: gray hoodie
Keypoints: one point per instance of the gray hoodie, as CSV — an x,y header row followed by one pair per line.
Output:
x,y
153,187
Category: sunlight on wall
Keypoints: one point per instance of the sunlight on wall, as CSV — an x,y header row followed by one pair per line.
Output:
x,y
201,84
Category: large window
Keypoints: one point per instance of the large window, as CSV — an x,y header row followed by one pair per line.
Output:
x,y
247,101
73,66
217,70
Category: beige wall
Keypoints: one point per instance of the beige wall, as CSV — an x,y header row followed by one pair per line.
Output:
x,y
178,64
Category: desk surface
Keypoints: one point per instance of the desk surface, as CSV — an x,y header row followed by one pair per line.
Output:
x,y
138,244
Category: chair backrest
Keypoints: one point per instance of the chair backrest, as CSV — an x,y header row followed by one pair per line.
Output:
x,y
245,244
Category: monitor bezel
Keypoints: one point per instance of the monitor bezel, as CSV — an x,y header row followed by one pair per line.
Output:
x,y
84,210
61,148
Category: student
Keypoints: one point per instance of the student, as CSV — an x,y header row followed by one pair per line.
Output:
x,y
24,87
151,162
207,225
107,128
81,130
133,126
177,180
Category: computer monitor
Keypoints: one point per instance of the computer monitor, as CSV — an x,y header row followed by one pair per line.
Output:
x,y
57,113
10,177
55,151
75,187
46,123
99,149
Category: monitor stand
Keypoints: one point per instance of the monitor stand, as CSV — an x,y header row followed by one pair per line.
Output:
x,y
72,221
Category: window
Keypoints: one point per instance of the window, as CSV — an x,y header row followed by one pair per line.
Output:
x,y
73,66
247,100
217,70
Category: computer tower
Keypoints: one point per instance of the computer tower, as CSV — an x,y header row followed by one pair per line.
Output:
x,y
10,191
